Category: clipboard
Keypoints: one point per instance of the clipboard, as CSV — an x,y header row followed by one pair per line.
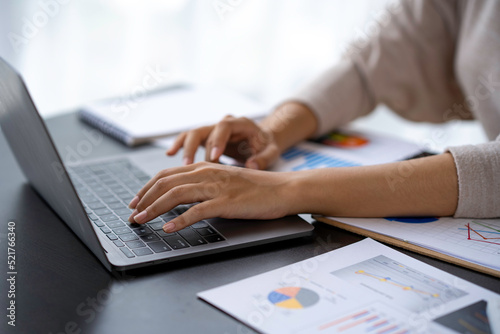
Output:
x,y
409,246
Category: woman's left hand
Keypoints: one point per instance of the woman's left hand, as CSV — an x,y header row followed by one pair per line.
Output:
x,y
222,191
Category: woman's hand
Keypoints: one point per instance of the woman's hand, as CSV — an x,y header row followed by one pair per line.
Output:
x,y
222,191
239,138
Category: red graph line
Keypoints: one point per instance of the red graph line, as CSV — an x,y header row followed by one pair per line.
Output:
x,y
473,230
479,234
488,242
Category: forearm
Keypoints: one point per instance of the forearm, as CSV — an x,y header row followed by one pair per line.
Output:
x,y
289,124
420,187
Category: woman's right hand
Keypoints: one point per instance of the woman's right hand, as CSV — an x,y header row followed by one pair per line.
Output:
x,y
239,138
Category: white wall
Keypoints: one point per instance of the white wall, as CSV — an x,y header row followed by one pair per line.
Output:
x,y
76,51
72,52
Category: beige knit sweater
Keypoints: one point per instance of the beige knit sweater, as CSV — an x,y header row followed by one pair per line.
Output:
x,y
433,61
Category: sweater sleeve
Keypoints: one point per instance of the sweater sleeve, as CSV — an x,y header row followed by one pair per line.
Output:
x,y
407,65
478,170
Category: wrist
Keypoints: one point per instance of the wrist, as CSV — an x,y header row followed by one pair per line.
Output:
x,y
302,192
289,124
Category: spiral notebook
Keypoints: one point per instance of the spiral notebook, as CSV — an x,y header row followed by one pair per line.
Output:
x,y
141,119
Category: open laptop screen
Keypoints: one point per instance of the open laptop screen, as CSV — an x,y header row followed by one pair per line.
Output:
x,y
38,158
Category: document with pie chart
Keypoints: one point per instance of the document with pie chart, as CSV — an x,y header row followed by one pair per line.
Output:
x,y
365,287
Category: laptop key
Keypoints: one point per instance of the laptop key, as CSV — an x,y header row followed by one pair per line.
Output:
x,y
99,223
163,234
156,226
176,242
125,217
144,179
96,205
142,230
168,217
193,238
149,238
128,237
121,230
112,236
110,200
214,238
114,186
159,247
118,243
109,218
87,178
105,178
127,199
89,199
95,168
105,229
124,195
116,205
103,193
200,224
180,209
142,251
84,193
120,190
123,211
135,244
93,217
135,189
206,231
109,182
127,252
115,224
102,212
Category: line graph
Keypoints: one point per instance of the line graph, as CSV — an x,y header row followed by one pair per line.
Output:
x,y
487,234
403,286
399,284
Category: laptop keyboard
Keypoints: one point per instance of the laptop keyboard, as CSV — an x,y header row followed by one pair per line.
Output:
x,y
106,189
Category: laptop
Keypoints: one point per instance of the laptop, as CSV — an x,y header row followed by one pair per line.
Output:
x,y
92,197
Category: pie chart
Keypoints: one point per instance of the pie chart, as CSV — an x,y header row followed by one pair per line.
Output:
x,y
293,297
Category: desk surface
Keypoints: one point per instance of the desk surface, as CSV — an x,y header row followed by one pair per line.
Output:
x,y
62,288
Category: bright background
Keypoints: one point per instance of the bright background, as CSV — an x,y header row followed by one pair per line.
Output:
x,y
71,52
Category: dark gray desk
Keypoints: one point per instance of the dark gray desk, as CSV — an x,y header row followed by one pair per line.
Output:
x,y
62,288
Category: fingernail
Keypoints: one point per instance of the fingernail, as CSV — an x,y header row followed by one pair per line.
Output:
x,y
141,216
169,227
253,165
213,153
133,202
186,161
132,215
